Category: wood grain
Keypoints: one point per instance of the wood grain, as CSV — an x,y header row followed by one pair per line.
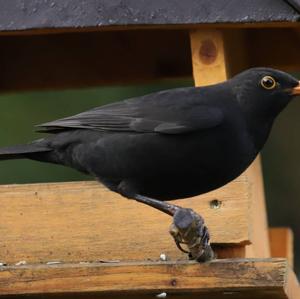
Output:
x,y
207,73
260,246
281,242
221,63
292,287
84,221
261,278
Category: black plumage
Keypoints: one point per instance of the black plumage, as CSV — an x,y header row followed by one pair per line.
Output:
x,y
170,144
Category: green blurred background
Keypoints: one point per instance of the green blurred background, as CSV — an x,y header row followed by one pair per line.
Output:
x,y
20,112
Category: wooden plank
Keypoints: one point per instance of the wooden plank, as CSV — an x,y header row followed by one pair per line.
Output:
x,y
259,43
239,278
281,243
83,221
86,58
212,63
92,59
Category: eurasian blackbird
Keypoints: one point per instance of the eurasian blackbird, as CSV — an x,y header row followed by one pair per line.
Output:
x,y
170,144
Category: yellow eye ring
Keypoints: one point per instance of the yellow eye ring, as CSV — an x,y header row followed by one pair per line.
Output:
x,y
268,82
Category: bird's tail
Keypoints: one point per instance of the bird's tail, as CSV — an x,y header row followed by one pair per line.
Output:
x,y
22,151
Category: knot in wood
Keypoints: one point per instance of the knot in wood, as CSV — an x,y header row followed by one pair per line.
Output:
x,y
208,52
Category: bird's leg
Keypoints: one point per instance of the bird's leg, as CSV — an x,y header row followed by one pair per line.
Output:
x,y
163,206
187,228
129,190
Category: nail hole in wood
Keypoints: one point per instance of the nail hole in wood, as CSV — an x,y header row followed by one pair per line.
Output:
x,y
215,204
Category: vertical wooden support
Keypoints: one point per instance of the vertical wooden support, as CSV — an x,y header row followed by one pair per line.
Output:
x,y
281,243
213,62
260,236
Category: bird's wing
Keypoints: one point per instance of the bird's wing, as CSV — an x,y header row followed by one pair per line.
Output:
x,y
144,114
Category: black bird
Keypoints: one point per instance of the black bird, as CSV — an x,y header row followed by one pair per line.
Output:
x,y
169,144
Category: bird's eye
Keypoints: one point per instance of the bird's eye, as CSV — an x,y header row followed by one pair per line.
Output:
x,y
268,82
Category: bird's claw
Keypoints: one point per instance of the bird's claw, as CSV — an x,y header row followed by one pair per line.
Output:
x,y
178,244
188,228
205,236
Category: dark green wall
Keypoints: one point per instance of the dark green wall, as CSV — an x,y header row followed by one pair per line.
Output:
x,y
281,166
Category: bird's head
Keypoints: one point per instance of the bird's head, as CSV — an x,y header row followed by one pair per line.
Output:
x,y
264,92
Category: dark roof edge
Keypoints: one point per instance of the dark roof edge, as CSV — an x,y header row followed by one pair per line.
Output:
x,y
16,15
295,4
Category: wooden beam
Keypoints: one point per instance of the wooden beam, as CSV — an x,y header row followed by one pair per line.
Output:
x,y
286,42
65,60
83,58
83,221
281,242
212,63
238,278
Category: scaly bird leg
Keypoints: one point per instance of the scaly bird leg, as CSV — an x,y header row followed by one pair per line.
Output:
x,y
187,228
163,206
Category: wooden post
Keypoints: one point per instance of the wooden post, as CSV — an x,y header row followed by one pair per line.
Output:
x,y
281,243
212,63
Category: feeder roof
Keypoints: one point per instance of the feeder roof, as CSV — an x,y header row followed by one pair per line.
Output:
x,y
74,14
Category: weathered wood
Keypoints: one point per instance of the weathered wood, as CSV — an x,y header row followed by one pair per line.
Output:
x,y
212,63
292,288
83,221
208,56
260,246
262,278
281,243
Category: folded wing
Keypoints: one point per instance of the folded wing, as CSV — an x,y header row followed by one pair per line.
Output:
x,y
162,112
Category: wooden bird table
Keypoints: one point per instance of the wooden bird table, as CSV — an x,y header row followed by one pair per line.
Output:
x,y
79,239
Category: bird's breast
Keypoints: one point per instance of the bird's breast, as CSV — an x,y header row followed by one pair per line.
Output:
x,y
198,164
170,166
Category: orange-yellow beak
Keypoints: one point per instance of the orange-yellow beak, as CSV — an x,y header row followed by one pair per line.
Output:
x,y
296,90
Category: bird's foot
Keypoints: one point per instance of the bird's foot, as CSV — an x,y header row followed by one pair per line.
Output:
x,y
188,228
